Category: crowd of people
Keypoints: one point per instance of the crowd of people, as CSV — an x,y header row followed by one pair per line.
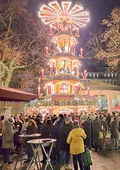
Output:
x,y
75,135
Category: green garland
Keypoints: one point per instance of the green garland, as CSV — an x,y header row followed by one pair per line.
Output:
x,y
66,103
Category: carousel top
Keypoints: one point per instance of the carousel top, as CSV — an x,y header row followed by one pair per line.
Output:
x,y
55,13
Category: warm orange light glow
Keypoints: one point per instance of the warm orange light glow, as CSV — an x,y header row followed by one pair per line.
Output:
x,y
54,13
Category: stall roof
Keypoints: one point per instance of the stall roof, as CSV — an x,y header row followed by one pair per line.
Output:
x,y
10,94
117,108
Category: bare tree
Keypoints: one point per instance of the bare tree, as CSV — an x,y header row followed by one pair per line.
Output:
x,y
22,40
106,45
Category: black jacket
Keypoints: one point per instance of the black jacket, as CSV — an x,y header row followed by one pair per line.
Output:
x,y
31,130
47,131
88,130
64,132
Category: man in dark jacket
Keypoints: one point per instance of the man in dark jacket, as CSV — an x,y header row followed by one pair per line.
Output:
x,y
56,129
47,133
64,147
114,133
88,130
96,129
108,121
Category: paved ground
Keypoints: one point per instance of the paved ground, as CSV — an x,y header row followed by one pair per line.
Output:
x,y
106,161
101,161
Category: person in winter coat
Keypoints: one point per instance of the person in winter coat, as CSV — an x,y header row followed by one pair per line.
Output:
x,y
47,129
108,121
56,129
31,129
75,139
18,125
47,132
96,129
39,123
64,147
114,132
7,141
88,129
103,132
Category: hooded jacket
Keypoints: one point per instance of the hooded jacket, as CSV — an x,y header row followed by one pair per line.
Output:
x,y
75,139
8,135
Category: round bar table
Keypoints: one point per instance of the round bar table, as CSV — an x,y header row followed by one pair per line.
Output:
x,y
24,136
42,143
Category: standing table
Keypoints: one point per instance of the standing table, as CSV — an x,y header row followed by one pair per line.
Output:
x,y
41,143
24,136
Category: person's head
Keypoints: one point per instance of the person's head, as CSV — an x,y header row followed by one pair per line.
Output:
x,y
49,122
96,118
31,122
114,118
10,120
61,116
76,119
67,120
75,124
48,118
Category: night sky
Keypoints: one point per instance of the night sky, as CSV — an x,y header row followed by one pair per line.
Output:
x,y
98,9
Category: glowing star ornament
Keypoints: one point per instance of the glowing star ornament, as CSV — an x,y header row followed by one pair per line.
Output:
x,y
54,14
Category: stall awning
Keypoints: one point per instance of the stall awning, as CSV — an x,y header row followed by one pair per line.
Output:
x,y
117,108
10,94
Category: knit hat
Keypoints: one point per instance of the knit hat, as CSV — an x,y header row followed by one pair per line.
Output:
x,y
10,120
75,124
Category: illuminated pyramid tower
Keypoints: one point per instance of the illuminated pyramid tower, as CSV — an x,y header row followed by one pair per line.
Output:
x,y
64,21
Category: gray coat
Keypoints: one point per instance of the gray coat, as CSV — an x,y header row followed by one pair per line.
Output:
x,y
8,135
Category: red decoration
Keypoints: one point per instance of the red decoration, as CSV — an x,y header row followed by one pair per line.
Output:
x,y
49,89
77,89
42,73
85,74
46,51
38,91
